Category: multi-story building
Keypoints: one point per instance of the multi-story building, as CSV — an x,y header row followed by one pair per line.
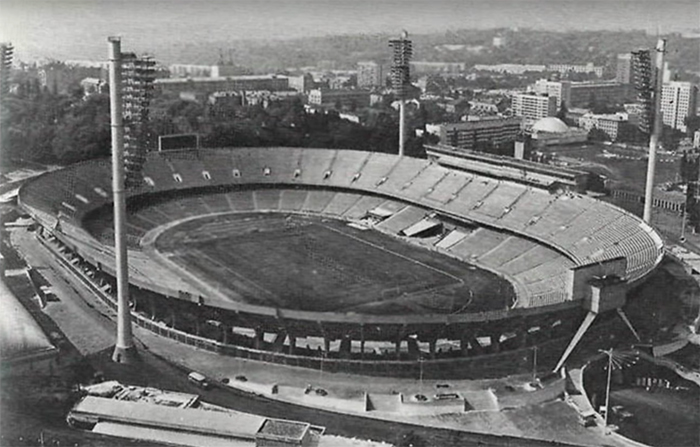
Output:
x,y
560,90
569,68
340,82
623,73
599,92
582,94
481,133
58,77
511,68
678,101
222,70
533,107
201,88
369,74
189,70
93,86
302,83
499,41
437,67
608,123
345,98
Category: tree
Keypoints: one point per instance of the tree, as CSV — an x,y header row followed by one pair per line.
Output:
x,y
592,102
670,138
84,132
629,133
692,123
596,134
563,112
410,439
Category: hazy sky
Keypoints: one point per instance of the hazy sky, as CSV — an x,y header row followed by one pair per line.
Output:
x,y
77,28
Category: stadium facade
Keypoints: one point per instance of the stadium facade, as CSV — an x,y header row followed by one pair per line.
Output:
x,y
569,259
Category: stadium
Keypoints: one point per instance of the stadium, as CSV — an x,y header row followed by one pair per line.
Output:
x,y
349,261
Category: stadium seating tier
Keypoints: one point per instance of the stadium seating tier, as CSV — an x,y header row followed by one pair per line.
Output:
x,y
528,233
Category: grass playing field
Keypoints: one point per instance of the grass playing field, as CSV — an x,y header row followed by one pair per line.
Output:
x,y
314,264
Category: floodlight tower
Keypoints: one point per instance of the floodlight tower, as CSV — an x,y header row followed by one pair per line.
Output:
x,y
124,350
133,77
6,55
657,128
401,80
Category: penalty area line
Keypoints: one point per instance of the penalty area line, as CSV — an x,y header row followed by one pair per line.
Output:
x,y
407,258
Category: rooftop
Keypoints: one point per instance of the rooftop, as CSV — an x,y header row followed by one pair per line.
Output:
x,y
20,335
219,79
550,124
285,429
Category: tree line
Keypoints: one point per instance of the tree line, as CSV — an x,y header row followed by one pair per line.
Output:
x,y
42,127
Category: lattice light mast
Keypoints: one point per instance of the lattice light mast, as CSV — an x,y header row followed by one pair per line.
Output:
x,y
644,87
130,90
138,76
649,84
401,80
6,55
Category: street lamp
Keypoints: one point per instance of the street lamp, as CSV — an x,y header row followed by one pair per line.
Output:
x,y
534,364
618,361
420,363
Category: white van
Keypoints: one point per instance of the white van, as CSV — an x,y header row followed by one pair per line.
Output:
x,y
198,379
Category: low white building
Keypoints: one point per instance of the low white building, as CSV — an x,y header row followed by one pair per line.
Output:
x,y
608,123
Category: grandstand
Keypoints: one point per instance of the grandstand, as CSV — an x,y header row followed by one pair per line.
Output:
x,y
550,257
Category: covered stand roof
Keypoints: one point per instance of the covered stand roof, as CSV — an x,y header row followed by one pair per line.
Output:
x,y
21,337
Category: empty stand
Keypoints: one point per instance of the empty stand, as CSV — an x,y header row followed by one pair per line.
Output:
x,y
500,201
375,171
508,250
241,200
317,200
448,187
315,164
217,203
345,167
451,238
536,255
281,169
477,243
472,196
560,212
424,182
530,204
340,203
267,199
405,171
362,207
293,199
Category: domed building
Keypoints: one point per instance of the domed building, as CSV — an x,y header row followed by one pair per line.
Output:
x,y
550,124
551,131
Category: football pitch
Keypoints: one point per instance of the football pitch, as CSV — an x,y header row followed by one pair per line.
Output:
x,y
324,265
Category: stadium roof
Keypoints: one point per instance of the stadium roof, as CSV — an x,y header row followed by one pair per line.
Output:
x,y
216,423
21,337
168,436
